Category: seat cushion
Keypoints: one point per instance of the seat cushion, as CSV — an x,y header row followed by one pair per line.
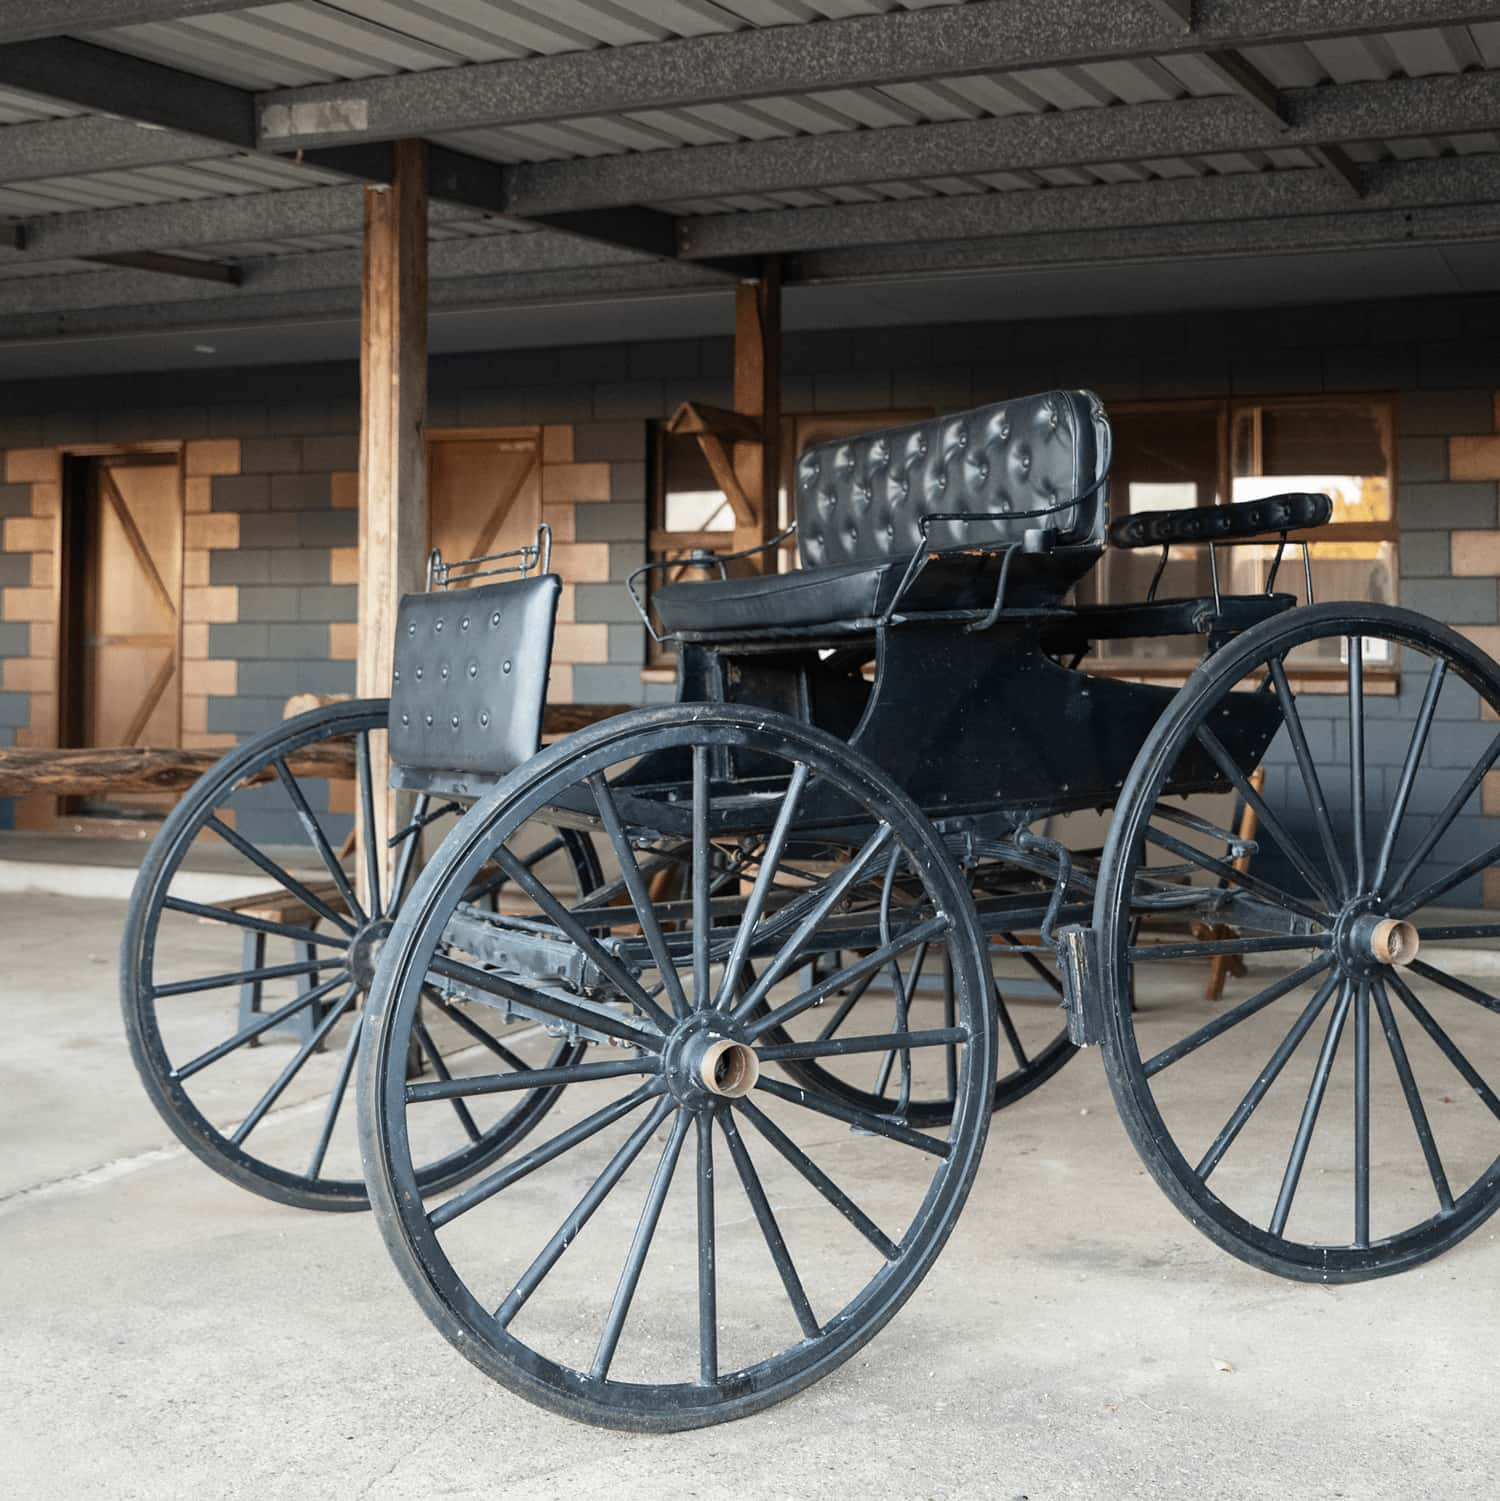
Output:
x,y
864,499
848,596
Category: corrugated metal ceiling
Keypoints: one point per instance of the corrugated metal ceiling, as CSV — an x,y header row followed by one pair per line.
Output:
x,y
311,41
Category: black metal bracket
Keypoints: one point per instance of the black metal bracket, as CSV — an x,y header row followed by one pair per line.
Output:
x,y
1079,970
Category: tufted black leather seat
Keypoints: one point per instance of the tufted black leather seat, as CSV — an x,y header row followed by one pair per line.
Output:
x,y
860,503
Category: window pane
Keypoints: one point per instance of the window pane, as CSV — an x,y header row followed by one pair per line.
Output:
x,y
1163,461
1364,571
692,499
1339,449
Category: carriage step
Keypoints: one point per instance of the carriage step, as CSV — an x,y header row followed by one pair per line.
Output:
x,y
1078,968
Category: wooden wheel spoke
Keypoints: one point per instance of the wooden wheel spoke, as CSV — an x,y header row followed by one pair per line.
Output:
x,y
847,1005
1357,755
1309,772
640,1248
1264,1080
1444,820
245,977
1309,1119
1362,1115
255,1028
1211,947
314,831
606,963
1291,847
708,1271
869,966
282,877
1444,884
769,1229
904,989
1459,931
827,898
294,1065
819,1179
640,897
890,1042
568,1231
336,1097
1453,983
1008,1027
527,1078
411,839
765,879
519,1167
460,1109
1415,1108
1408,777
482,1035
253,924
1233,1017
701,878
580,1013
863,1120
1233,876
374,838
1446,1045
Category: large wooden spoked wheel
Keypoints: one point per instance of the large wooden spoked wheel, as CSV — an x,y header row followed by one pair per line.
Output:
x,y
702,1237
1336,1115
245,1011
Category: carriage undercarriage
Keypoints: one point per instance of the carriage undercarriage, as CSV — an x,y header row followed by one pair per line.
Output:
x,y
815,905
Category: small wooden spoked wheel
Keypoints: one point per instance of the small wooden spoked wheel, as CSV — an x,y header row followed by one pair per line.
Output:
x,y
245,1015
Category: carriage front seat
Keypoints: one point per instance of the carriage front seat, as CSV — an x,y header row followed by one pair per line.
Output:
x,y
860,503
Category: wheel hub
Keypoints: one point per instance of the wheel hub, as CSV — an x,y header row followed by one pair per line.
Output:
x,y
1367,941
707,1059
364,951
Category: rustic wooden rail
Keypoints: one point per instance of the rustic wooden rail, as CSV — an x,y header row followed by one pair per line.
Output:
x,y
105,771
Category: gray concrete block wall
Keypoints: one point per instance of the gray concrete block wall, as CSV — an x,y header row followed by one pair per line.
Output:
x,y
282,569
297,426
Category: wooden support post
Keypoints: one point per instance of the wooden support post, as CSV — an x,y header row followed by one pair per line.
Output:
x,y
757,395
393,420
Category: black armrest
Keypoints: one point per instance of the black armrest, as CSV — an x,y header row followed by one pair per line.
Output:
x,y
1245,518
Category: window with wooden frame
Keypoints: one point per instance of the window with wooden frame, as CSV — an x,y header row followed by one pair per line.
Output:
x,y
1175,454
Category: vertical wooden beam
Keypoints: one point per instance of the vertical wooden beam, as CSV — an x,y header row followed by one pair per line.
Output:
x,y
757,394
393,421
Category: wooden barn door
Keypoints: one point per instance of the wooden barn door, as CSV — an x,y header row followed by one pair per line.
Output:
x,y
484,492
125,591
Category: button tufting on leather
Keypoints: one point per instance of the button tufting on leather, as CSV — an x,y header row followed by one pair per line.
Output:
x,y
864,498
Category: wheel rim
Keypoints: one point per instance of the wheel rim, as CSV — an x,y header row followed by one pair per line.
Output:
x,y
686,1362
1364,1135
211,1011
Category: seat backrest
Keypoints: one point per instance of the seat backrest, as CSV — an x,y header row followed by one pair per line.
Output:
x,y
864,498
469,680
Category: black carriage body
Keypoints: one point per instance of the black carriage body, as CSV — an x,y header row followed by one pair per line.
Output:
x,y
927,627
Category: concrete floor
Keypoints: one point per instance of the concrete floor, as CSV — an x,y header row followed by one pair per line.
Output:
x,y
167,1334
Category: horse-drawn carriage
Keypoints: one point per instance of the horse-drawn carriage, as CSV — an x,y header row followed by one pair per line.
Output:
x,y
728,990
